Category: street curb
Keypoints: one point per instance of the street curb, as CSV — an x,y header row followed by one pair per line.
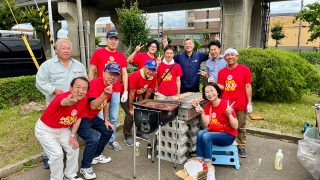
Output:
x,y
15,167
275,134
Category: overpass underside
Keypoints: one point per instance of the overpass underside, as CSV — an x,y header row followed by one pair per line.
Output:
x,y
244,22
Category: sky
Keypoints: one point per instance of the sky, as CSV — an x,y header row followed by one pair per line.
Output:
x,y
176,19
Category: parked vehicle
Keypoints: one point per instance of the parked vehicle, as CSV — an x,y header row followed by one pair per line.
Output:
x,y
15,59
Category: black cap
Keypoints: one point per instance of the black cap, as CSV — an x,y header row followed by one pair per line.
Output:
x,y
113,33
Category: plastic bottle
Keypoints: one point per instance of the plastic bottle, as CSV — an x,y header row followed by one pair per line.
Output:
x,y
137,149
278,163
149,149
211,174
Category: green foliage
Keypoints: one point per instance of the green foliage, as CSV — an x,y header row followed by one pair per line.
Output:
x,y
279,76
197,45
276,33
31,15
97,40
206,37
311,14
312,57
132,25
25,15
18,90
7,20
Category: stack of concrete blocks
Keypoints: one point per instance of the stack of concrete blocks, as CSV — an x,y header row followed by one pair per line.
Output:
x,y
187,128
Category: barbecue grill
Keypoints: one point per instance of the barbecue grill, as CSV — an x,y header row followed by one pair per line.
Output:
x,y
150,115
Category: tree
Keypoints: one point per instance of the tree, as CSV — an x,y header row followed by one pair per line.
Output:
x,y
206,37
311,14
197,45
31,15
132,25
276,33
7,21
25,15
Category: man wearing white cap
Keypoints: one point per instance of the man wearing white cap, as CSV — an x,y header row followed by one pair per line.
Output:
x,y
235,81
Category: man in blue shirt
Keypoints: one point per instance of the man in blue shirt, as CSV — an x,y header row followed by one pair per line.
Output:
x,y
215,63
190,61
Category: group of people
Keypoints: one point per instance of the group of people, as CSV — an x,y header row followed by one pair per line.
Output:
x,y
88,105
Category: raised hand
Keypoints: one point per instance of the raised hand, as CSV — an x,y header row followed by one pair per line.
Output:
x,y
159,58
139,47
198,108
108,90
72,99
202,73
165,41
229,108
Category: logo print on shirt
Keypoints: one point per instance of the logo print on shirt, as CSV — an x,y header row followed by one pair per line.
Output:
x,y
111,58
230,84
74,112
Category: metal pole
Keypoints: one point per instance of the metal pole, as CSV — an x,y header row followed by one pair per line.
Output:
x,y
81,35
159,149
88,42
51,25
158,26
134,147
299,32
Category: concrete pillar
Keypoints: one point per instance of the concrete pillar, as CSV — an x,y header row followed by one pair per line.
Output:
x,y
236,23
90,14
256,25
68,11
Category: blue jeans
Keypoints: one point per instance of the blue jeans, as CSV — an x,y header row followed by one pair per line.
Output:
x,y
94,145
113,113
206,139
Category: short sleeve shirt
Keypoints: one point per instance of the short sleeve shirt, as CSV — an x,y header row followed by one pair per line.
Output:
x,y
168,86
141,58
138,82
57,116
102,57
234,82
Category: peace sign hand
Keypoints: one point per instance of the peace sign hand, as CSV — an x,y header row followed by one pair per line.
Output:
x,y
159,58
108,90
198,108
139,47
72,99
229,108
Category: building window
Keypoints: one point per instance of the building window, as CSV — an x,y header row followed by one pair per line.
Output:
x,y
207,14
207,25
190,24
101,30
191,14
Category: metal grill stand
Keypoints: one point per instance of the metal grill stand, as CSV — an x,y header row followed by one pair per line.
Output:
x,y
154,144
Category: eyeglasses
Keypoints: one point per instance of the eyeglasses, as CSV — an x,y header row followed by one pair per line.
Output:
x,y
151,69
114,75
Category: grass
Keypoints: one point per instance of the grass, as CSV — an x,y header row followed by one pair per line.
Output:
x,y
286,117
17,140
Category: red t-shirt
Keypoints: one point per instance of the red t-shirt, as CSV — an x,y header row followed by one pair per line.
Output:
x,y
141,58
138,82
218,120
234,81
57,116
101,57
168,86
97,86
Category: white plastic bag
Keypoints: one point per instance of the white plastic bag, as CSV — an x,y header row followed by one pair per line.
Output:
x,y
309,152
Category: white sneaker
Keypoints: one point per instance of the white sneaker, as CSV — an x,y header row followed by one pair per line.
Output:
x,y
73,178
88,173
101,159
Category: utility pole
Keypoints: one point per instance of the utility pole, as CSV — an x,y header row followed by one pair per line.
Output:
x,y
160,25
81,35
299,32
51,26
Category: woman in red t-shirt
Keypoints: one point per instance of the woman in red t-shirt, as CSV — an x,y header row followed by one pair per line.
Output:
x,y
168,76
220,121
140,58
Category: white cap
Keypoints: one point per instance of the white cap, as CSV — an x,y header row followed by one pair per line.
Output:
x,y
230,50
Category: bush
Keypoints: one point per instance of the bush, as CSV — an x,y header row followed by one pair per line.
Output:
x,y
279,76
18,90
312,57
